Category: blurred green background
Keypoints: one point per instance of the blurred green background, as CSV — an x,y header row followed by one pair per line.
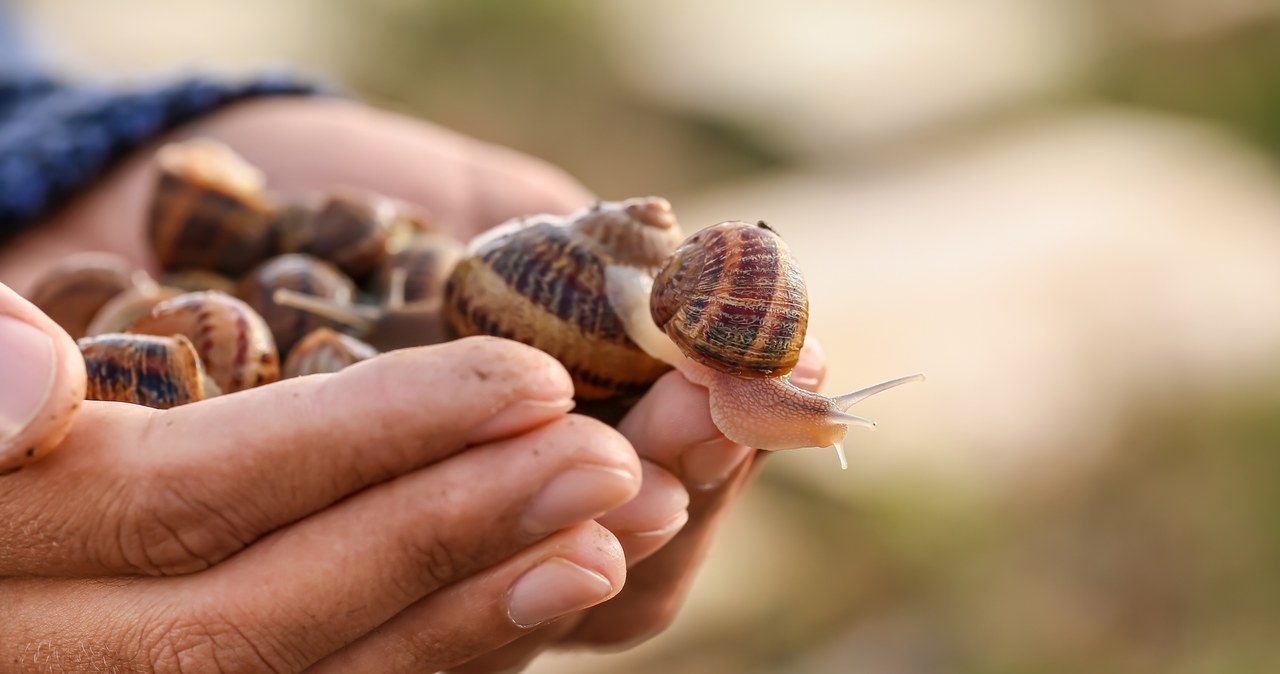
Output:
x,y
1066,212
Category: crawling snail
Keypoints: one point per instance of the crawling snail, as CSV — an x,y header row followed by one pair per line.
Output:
x,y
728,309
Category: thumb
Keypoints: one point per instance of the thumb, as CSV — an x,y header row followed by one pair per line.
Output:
x,y
42,382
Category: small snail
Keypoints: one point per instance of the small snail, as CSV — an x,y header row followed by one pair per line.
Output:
x,y
209,210
301,273
232,340
427,260
541,281
122,310
729,310
352,230
159,372
325,351
77,288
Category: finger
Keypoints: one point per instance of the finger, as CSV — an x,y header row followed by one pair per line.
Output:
x,y
811,369
573,570
464,183
421,532
653,517
142,491
656,587
42,385
671,426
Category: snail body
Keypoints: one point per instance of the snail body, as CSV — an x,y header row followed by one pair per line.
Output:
x,y
734,325
541,281
158,372
232,340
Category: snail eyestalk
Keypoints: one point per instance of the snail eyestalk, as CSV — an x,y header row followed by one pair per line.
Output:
x,y
844,460
847,400
355,316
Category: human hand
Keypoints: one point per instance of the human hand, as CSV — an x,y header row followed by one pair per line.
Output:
x,y
672,431
305,144
263,531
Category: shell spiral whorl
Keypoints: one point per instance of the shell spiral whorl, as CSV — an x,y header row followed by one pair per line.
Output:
x,y
732,298
541,281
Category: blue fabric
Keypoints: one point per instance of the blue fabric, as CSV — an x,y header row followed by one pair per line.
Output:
x,y
56,137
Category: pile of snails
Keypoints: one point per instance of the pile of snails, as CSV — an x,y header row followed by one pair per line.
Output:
x,y
256,288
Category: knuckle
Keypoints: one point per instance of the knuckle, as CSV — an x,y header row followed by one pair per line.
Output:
x,y
439,563
165,528
209,646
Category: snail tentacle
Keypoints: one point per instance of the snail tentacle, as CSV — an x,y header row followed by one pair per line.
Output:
x,y
847,400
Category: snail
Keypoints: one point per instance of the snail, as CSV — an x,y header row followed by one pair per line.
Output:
x,y
325,351
729,309
209,210
77,288
122,310
541,280
412,293
233,341
355,230
159,372
427,260
301,273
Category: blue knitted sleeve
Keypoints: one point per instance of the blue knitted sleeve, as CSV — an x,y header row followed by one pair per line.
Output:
x,y
57,138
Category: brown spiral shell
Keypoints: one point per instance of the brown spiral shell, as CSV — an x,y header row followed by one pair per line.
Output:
x,y
77,288
159,372
232,340
732,298
302,273
351,230
325,351
426,261
209,210
541,281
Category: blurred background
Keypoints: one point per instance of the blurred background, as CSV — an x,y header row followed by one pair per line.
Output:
x,y
1066,212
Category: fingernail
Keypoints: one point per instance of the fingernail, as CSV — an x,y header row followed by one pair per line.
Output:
x,y
672,526
582,493
708,465
27,361
552,589
519,416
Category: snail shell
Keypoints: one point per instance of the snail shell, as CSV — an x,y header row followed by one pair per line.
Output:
x,y
77,288
232,340
304,274
159,372
129,306
541,281
196,280
326,351
209,210
351,230
427,261
732,298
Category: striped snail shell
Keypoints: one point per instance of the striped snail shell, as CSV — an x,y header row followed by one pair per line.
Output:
x,y
427,261
325,351
732,298
154,371
209,210
232,340
541,281
352,229
301,273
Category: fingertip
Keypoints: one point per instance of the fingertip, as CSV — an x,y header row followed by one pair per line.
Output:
x,y
811,370
44,382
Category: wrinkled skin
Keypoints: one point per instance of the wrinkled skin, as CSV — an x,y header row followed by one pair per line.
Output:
x,y
331,523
